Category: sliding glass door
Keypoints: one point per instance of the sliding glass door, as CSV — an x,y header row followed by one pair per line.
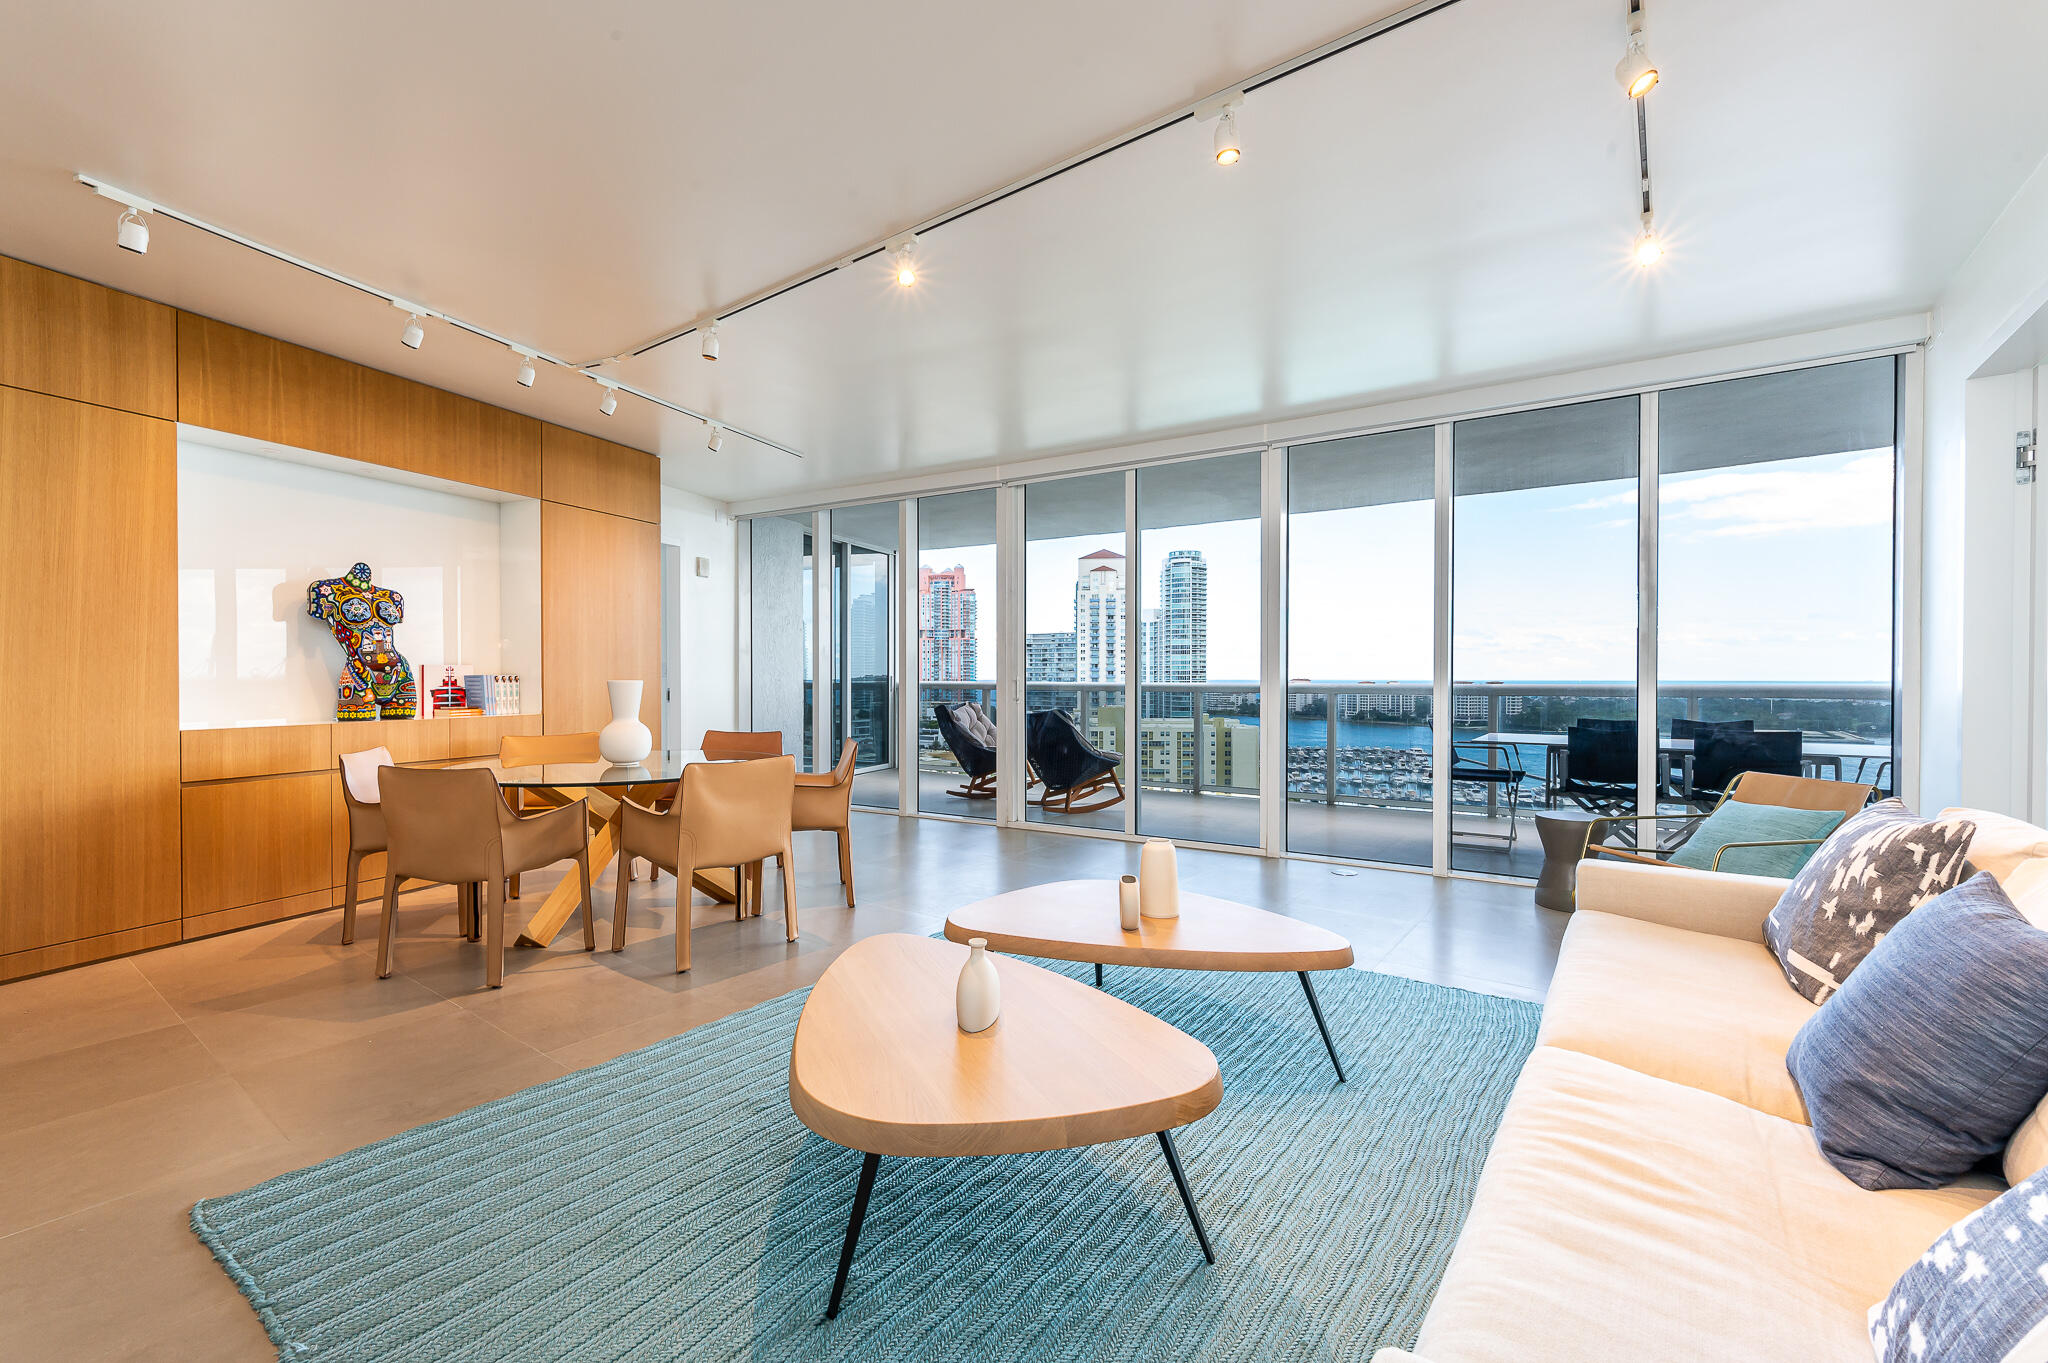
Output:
x,y
1198,646
780,607
1076,599
864,540
957,620
1361,550
1544,607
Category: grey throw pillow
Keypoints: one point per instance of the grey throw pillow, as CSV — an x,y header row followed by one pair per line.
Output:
x,y
1978,1292
1873,871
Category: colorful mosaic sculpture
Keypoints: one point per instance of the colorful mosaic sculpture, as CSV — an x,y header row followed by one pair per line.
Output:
x,y
376,682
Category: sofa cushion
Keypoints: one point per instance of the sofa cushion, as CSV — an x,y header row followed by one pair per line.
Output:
x,y
1625,1219
1868,875
1936,1049
1711,1012
2001,843
1978,1291
1736,821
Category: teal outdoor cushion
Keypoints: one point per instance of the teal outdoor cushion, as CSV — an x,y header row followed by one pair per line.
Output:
x,y
1735,821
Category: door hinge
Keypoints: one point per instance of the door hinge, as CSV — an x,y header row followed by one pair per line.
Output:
x,y
2023,450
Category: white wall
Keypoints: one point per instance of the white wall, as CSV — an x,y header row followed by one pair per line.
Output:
x,y
254,530
707,614
1969,549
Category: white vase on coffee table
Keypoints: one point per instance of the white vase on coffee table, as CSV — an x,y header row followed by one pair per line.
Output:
x,y
1158,880
978,998
625,740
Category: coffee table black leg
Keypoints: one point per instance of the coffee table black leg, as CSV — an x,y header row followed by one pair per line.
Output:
x,y
860,1211
1098,974
1321,1026
1180,1181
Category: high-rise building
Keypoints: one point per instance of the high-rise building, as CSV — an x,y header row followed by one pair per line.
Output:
x,y
1099,617
1148,646
1049,656
946,623
1181,653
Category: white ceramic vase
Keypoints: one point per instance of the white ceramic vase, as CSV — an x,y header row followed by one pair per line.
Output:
x,y
1127,902
979,996
1158,880
625,740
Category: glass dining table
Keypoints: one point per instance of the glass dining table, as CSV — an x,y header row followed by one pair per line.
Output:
x,y
603,785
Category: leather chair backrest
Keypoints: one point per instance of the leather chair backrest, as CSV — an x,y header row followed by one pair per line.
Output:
x,y
536,750
1798,792
736,812
362,795
442,823
727,743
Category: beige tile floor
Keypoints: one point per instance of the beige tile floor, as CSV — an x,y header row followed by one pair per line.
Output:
x,y
131,1088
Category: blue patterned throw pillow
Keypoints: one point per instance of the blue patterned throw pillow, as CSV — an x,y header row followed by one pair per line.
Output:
x,y
1980,1292
1869,874
1936,1049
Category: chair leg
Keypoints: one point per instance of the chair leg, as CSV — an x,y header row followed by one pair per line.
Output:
x,y
782,860
494,942
476,912
619,913
515,885
739,893
348,902
384,928
759,885
589,921
684,875
846,863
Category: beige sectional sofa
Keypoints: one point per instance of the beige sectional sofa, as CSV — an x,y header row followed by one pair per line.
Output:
x,y
1654,1191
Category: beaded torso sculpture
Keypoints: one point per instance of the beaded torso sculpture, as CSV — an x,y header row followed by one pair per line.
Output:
x,y
376,682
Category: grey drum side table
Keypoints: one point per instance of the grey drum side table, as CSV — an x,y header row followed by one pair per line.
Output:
x,y
1564,835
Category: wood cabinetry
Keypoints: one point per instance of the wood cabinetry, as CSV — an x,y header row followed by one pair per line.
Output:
x,y
600,615
581,470
88,673
71,339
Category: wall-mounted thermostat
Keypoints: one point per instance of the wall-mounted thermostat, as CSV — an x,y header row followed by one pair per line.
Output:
x,y
703,566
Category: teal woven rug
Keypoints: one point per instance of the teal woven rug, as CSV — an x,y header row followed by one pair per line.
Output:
x,y
667,1205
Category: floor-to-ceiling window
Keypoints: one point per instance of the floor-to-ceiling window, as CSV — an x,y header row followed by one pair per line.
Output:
x,y
957,628
1197,732
1361,569
1076,595
864,542
1774,635
1544,613
779,629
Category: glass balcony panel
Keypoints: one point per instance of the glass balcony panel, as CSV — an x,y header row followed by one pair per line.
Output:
x,y
956,625
1076,599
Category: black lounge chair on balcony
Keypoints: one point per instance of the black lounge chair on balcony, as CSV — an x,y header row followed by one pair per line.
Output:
x,y
977,759
1496,765
1070,766
1600,766
1718,759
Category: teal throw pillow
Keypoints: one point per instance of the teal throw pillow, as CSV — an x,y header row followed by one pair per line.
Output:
x,y
1735,821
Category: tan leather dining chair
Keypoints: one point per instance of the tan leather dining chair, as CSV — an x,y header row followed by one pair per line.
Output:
x,y
533,750
366,836
451,825
824,804
725,814
726,744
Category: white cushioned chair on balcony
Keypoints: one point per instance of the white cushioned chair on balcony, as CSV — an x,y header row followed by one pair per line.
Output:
x,y
1654,1191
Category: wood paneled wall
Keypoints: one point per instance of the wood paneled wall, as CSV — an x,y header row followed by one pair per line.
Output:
x,y
119,833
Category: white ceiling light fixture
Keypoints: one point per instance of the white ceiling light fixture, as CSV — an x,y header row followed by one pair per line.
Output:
x,y
609,403
1635,72
414,334
131,233
1223,108
903,258
713,441
526,373
710,347
1649,250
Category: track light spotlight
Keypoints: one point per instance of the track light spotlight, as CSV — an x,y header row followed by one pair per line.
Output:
x,y
131,233
1227,149
903,258
525,370
1635,71
610,402
413,334
715,439
709,348
1649,250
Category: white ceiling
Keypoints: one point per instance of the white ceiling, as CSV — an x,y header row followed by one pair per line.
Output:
x,y
1445,206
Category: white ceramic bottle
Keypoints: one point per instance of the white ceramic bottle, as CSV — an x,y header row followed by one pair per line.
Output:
x,y
1127,902
979,997
625,740
1158,880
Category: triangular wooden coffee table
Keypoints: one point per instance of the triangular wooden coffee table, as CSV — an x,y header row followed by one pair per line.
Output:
x,y
1077,920
880,1065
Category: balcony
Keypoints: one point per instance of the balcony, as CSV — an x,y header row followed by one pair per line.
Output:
x,y
1359,757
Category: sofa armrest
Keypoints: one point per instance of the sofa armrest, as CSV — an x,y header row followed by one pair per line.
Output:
x,y
1715,902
